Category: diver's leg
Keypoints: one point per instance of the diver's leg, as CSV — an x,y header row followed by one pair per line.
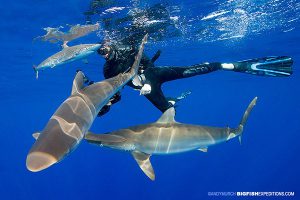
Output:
x,y
173,73
157,98
279,66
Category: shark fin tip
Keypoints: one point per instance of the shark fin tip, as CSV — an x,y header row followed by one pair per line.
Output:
x,y
36,71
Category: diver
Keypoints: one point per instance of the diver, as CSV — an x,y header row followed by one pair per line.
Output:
x,y
150,77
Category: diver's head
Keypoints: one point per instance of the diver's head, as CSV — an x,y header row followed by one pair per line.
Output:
x,y
105,51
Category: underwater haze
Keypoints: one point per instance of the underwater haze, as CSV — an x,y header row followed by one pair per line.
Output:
x,y
187,32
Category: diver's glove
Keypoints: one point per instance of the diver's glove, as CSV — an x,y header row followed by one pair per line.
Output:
x,y
279,66
146,89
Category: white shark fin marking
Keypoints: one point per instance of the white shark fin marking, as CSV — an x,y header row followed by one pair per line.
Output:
x,y
143,161
36,135
167,116
203,149
78,82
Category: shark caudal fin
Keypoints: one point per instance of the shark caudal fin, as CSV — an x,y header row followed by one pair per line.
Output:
x,y
239,130
35,71
135,67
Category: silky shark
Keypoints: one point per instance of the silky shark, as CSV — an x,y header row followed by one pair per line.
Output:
x,y
66,55
166,136
71,121
54,35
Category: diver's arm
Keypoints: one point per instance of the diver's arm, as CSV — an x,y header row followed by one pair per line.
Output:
x,y
156,56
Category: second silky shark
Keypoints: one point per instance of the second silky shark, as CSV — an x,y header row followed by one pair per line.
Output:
x,y
66,55
71,121
166,136
54,35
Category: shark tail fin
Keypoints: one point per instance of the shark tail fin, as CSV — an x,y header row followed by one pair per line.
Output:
x,y
135,67
239,130
36,71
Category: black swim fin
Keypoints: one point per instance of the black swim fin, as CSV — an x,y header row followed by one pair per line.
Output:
x,y
279,66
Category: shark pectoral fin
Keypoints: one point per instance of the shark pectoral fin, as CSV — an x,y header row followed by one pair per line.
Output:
x,y
36,71
143,160
240,139
36,135
78,82
104,138
230,136
203,149
167,117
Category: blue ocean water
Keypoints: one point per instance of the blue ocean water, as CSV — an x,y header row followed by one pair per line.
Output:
x,y
220,30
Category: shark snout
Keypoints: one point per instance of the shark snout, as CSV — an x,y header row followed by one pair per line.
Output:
x,y
37,161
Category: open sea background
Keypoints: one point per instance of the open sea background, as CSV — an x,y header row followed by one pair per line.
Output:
x,y
222,30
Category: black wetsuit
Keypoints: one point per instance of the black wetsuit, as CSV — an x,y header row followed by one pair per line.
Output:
x,y
120,60
156,76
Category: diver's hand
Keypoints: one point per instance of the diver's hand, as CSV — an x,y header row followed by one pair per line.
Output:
x,y
146,89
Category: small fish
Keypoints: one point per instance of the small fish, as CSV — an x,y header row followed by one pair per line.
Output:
x,y
68,54
166,136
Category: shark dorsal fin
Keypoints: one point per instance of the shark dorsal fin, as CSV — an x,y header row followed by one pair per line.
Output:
x,y
78,82
143,160
36,135
167,116
65,44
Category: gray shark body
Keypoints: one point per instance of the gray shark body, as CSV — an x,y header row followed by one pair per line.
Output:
x,y
66,55
166,136
71,121
54,34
